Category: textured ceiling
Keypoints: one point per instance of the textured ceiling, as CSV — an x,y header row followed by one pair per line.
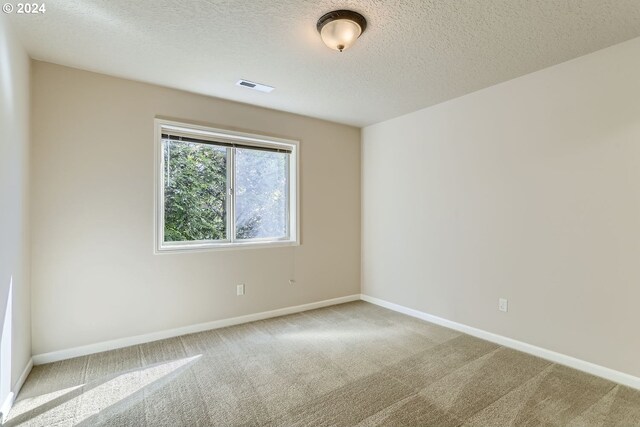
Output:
x,y
414,53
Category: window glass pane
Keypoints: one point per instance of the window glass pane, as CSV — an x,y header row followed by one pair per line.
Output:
x,y
261,194
195,191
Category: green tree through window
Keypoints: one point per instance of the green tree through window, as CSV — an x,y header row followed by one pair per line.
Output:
x,y
198,206
195,190
261,194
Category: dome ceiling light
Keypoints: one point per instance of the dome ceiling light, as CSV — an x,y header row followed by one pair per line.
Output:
x,y
341,28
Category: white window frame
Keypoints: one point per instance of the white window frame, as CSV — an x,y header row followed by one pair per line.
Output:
x,y
223,135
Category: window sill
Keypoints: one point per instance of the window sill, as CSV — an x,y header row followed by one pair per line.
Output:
x,y
207,247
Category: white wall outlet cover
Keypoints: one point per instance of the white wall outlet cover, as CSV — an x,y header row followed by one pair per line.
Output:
x,y
240,289
503,304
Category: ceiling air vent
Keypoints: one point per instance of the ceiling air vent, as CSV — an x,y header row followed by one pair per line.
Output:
x,y
254,85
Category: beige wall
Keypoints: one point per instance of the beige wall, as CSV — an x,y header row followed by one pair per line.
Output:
x,y
95,276
528,190
14,209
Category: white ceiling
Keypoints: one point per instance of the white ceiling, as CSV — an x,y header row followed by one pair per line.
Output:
x,y
413,54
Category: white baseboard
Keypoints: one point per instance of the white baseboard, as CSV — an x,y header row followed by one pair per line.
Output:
x,y
562,359
6,406
84,350
23,377
8,402
559,358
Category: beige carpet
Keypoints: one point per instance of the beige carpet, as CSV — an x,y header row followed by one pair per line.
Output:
x,y
352,364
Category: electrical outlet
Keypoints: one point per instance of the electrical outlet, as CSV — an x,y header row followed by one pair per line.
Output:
x,y
240,289
292,282
503,304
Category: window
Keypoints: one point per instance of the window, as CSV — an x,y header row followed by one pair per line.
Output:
x,y
220,189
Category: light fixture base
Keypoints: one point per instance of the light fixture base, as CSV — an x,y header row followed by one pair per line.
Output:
x,y
342,14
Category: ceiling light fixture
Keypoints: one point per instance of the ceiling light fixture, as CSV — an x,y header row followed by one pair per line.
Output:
x,y
341,28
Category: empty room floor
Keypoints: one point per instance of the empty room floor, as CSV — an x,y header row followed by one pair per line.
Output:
x,y
351,364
